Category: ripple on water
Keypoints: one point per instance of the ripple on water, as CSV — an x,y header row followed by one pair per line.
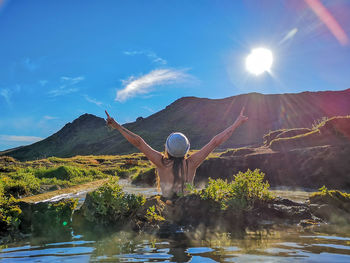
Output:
x,y
73,251
281,245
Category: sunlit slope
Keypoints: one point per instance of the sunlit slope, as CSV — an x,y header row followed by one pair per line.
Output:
x,y
199,118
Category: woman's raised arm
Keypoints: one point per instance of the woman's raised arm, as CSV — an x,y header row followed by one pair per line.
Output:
x,y
153,155
197,158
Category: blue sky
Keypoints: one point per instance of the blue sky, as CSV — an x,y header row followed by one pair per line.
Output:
x,y
60,59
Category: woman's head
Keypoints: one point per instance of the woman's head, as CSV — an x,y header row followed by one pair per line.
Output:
x,y
177,145
176,148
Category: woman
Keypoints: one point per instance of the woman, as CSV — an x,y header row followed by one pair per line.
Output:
x,y
174,168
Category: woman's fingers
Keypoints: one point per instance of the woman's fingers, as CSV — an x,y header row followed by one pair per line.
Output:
x,y
107,114
242,111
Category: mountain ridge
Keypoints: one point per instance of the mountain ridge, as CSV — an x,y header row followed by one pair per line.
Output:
x,y
199,118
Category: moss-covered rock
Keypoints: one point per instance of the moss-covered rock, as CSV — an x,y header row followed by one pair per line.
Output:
x,y
52,218
237,152
47,218
283,133
333,131
331,205
145,177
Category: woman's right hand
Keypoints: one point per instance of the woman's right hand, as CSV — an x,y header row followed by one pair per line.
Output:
x,y
110,121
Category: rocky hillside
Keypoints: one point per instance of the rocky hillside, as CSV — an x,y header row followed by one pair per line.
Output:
x,y
199,118
307,158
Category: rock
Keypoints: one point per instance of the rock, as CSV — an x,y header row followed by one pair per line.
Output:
x,y
145,178
332,206
191,212
237,152
309,222
331,214
305,167
47,218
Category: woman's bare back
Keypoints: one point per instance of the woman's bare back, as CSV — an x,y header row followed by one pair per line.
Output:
x,y
166,177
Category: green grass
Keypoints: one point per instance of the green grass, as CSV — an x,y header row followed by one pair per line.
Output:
x,y
21,179
126,172
319,123
28,181
237,151
296,137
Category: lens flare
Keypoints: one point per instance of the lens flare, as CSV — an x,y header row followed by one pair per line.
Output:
x,y
328,19
259,60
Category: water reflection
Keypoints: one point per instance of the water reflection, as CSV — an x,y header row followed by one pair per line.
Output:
x,y
277,244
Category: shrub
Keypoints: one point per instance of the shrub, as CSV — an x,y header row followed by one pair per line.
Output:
x,y
242,192
152,215
9,214
110,204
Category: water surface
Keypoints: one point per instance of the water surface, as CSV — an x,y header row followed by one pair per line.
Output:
x,y
278,244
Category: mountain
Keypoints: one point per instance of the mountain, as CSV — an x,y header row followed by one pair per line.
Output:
x,y
199,118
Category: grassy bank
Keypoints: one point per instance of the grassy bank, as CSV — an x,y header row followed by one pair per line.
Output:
x,y
21,179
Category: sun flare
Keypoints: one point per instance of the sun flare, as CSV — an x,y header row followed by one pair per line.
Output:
x,y
259,60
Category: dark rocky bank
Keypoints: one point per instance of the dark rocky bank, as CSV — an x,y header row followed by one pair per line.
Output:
x,y
187,213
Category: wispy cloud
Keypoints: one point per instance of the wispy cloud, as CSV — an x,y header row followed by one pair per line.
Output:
x,y
67,86
62,91
143,84
47,117
149,109
5,93
16,138
150,54
30,64
43,82
72,81
92,100
289,35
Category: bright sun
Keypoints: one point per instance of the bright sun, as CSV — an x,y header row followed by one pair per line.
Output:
x,y
259,60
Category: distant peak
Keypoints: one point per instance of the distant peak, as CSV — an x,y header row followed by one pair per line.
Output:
x,y
186,98
87,115
88,118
